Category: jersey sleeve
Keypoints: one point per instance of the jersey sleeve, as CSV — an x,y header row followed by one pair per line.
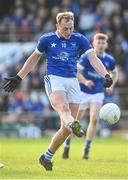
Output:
x,y
112,64
86,46
41,45
82,62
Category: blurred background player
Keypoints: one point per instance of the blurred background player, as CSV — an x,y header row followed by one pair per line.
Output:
x,y
62,50
92,87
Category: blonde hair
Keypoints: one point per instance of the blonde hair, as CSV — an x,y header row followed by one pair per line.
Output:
x,y
100,36
64,15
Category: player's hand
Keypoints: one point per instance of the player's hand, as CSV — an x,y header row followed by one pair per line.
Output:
x,y
11,83
108,91
108,81
90,84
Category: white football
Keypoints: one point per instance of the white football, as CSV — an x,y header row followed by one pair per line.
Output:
x,y
110,113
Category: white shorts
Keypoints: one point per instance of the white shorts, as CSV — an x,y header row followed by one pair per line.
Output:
x,y
86,99
68,85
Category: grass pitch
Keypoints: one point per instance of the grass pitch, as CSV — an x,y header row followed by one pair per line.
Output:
x,y
109,160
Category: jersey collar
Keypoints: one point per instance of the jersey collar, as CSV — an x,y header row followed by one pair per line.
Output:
x,y
57,35
103,56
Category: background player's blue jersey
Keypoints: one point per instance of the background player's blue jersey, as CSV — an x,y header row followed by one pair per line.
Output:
x,y
90,73
62,54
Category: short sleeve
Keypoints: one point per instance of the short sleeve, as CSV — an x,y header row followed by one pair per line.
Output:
x,y
86,45
82,62
41,45
112,64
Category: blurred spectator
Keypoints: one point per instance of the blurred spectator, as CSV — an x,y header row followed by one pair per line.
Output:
x,y
65,5
86,20
108,6
18,16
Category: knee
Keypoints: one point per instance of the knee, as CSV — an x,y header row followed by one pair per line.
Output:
x,y
94,121
63,107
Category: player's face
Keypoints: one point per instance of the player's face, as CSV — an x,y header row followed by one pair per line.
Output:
x,y
100,45
65,28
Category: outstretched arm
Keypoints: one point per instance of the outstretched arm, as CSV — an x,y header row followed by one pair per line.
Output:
x,y
96,63
12,82
99,67
29,65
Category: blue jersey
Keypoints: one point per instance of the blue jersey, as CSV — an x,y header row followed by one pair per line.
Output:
x,y
62,54
90,73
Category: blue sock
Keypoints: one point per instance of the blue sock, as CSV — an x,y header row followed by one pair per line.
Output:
x,y
67,142
87,145
48,155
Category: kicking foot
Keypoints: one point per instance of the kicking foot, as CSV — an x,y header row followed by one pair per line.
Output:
x,y
77,130
46,164
65,154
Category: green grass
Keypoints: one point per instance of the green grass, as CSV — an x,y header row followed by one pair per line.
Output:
x,y
109,159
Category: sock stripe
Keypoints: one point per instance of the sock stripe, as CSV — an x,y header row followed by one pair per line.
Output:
x,y
50,152
48,155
